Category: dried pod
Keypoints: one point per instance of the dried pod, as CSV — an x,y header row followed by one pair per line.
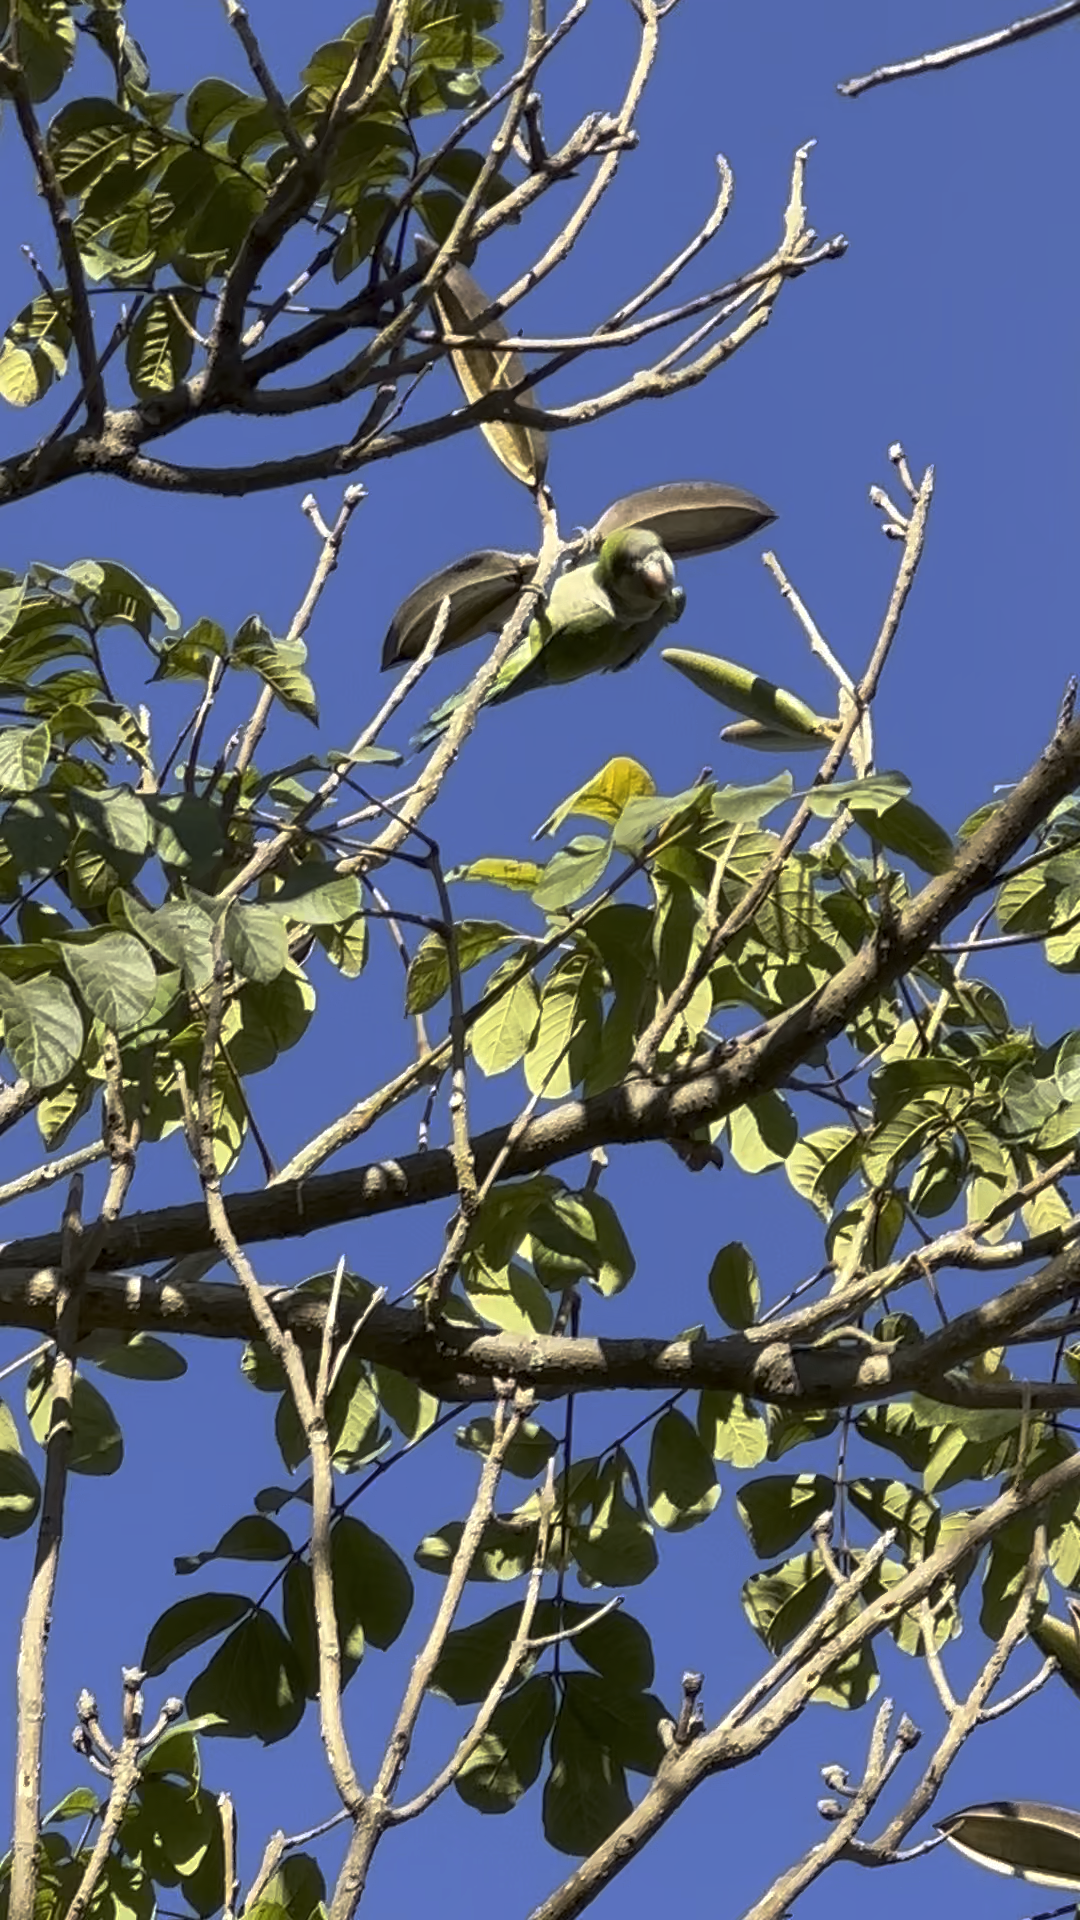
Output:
x,y
747,692
1023,1838
482,588
457,302
690,516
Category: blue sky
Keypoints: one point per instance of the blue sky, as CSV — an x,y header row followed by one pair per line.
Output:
x,y
949,325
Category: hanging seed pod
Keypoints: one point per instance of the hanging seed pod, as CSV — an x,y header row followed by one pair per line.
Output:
x,y
523,450
751,733
747,692
690,516
1023,1838
482,587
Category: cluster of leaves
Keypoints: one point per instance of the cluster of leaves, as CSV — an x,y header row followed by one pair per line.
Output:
x,y
165,186
112,886
170,1837
965,1105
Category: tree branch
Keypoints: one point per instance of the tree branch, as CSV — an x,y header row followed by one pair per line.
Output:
x,y
631,1112
963,49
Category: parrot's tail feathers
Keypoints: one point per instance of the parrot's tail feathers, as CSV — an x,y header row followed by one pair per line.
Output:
x,y
432,729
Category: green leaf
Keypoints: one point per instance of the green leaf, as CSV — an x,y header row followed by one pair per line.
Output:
x,y
115,978
255,941
412,1410
617,1549
585,1795
317,897
735,1286
617,1646
568,1028
572,872
906,829
643,818
372,1585
618,1718
528,1453
509,1296
780,1602
892,1503
731,1428
253,1683
80,1804
753,803
254,1537
24,756
295,1891
763,1132
501,1034
472,1656
46,45
821,1164
97,1445
505,1763
429,973
505,1553
190,1623
134,1356
778,1508
521,876
161,344
605,795
20,1495
181,933
683,1489
279,662
875,794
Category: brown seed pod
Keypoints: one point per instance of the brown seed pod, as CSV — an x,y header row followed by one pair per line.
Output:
x,y
523,450
1024,1838
482,589
690,516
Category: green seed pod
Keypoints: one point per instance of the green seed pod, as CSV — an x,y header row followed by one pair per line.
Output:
x,y
751,733
747,692
482,588
1023,1838
690,516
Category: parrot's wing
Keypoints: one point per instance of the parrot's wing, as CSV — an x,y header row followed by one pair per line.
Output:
x,y
482,589
689,516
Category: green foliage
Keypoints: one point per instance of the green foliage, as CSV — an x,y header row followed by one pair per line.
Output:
x,y
167,920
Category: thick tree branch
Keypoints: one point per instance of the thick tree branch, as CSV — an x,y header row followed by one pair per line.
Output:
x,y
634,1111
767,1362
727,1746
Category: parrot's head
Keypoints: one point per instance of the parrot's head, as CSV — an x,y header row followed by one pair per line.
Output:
x,y
636,569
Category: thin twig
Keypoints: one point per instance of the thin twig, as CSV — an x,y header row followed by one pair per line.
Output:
x,y
1009,36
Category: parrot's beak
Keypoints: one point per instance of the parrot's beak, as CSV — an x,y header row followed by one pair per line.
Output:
x,y
658,573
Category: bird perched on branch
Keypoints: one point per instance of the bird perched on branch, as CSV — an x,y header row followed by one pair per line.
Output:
x,y
601,615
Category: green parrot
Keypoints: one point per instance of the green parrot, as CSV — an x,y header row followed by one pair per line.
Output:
x,y
601,615
598,619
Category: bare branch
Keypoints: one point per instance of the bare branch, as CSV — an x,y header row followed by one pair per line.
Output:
x,y
1009,36
33,1635
301,620
511,1409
